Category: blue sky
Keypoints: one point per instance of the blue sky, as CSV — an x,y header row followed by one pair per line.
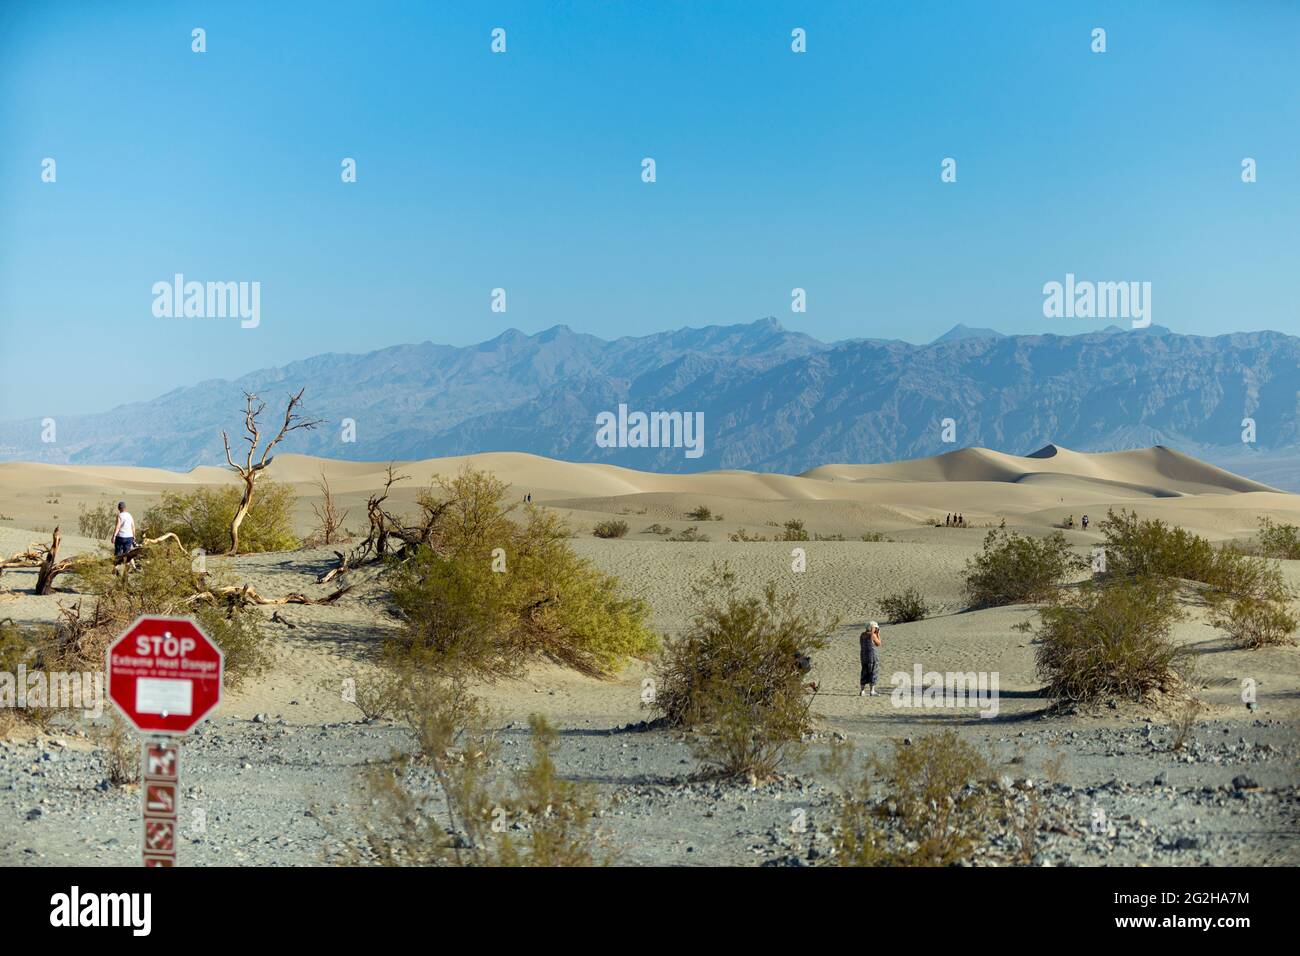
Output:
x,y
522,171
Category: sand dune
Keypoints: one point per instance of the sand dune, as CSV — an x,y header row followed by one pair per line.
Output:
x,y
988,487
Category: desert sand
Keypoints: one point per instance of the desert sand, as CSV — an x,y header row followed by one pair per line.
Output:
x,y
901,501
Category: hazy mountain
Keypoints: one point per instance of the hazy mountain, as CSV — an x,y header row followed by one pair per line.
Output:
x,y
960,331
772,399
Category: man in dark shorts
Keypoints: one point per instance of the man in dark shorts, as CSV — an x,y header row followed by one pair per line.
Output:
x,y
869,653
124,533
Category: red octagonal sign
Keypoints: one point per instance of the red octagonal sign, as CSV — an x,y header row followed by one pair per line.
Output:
x,y
164,674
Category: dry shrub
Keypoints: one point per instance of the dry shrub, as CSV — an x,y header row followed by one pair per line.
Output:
x,y
737,675
610,529
905,606
329,517
794,531
692,534
201,518
534,819
935,807
20,647
119,747
1109,640
1014,569
1255,622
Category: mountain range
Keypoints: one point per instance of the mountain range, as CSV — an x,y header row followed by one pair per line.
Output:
x,y
772,400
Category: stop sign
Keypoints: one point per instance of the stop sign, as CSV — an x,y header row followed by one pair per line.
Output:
x,y
164,674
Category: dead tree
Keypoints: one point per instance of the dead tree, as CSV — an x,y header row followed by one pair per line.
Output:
x,y
250,471
386,528
329,519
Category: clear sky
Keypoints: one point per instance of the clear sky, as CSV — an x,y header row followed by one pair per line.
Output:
x,y
522,170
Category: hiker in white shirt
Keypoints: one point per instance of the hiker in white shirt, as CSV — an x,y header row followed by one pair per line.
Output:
x,y
124,533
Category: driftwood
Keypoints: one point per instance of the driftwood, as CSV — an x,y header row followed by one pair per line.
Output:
x,y
146,543
385,527
242,595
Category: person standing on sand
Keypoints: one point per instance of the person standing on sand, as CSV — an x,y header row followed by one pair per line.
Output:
x,y
124,533
1085,522
868,642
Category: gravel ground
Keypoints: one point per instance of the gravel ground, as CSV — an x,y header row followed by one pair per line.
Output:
x,y
265,787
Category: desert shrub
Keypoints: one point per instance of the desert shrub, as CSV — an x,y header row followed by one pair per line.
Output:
x,y
701,513
743,535
201,518
689,534
1013,569
610,529
736,675
828,537
471,824
18,647
905,606
658,528
162,584
1145,548
490,593
794,531
557,815
1253,621
97,522
1248,595
1109,639
1279,540
935,808
119,750
377,695
874,536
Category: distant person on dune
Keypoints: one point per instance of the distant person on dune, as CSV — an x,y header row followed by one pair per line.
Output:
x,y
868,642
1085,522
124,533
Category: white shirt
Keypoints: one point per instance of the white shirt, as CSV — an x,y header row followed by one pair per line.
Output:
x,y
125,525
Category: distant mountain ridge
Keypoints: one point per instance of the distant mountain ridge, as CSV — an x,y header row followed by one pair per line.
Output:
x,y
772,399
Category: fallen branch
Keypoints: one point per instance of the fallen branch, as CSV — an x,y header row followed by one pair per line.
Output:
x,y
245,594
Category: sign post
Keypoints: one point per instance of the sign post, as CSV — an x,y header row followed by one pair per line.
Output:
x,y
164,676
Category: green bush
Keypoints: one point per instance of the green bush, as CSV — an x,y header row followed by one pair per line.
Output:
x,y
1109,639
905,606
98,522
163,584
201,518
1013,569
1279,540
610,529
737,675
701,513
490,593
794,531
935,811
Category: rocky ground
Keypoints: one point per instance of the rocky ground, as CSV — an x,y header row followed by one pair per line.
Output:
x,y
268,792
